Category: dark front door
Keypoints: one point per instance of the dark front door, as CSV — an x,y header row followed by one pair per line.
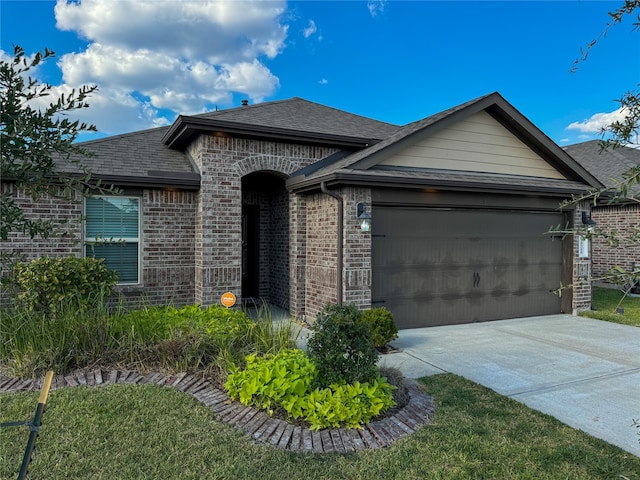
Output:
x,y
250,234
449,266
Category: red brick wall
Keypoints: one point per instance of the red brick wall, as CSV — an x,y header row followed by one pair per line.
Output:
x,y
317,251
321,253
64,215
222,162
581,284
168,226
357,250
168,222
623,220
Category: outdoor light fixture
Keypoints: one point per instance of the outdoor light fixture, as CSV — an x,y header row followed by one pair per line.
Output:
x,y
364,217
587,220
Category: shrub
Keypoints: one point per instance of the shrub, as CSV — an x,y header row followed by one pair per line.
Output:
x,y
380,323
46,283
285,381
271,380
341,347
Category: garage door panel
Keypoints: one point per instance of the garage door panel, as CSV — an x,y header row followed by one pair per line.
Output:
x,y
459,266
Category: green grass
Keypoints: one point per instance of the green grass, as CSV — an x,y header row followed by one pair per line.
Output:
x,y
152,432
606,300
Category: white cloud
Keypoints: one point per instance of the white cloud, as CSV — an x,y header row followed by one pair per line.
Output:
x,y
310,30
185,56
324,81
597,121
376,7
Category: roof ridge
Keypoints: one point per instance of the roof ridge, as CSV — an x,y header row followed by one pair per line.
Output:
x,y
122,135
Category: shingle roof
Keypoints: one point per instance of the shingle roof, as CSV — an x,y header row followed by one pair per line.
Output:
x,y
608,165
139,155
294,120
302,115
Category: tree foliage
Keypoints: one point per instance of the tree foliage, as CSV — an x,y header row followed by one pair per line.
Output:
x,y
34,140
616,135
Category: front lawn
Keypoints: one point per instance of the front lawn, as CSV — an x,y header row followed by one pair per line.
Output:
x,y
606,300
152,432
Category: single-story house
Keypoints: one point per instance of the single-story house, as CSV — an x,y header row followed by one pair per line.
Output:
x,y
267,201
620,217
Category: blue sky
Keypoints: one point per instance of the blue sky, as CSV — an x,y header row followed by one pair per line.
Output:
x,y
396,61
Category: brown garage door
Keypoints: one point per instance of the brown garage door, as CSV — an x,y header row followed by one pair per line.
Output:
x,y
450,266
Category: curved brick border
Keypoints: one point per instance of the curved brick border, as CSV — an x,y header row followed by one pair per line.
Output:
x,y
258,425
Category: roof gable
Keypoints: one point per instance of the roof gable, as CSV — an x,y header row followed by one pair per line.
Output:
x,y
545,156
478,143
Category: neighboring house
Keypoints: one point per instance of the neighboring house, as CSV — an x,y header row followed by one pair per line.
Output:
x,y
263,201
622,217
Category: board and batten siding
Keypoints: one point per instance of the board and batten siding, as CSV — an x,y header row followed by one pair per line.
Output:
x,y
477,144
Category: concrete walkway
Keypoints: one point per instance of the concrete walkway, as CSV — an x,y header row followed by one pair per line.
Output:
x,y
584,372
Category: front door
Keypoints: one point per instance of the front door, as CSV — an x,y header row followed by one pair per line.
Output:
x,y
250,233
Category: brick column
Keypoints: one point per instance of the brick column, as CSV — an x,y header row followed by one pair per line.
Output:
x,y
218,221
297,254
357,251
581,266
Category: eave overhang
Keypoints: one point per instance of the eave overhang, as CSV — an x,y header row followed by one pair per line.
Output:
x,y
450,182
186,128
154,179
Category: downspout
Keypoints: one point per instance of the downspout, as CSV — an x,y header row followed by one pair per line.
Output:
x,y
324,189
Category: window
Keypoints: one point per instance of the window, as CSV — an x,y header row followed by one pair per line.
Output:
x,y
112,232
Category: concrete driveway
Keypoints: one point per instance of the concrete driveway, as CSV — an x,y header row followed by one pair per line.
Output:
x,y
584,372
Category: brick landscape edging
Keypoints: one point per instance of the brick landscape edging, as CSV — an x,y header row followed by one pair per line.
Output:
x,y
257,424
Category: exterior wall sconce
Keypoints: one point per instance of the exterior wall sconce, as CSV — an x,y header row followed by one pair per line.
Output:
x,y
364,217
583,242
588,221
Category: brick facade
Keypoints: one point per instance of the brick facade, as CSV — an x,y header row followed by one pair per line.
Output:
x,y
581,284
314,252
168,225
223,162
624,220
192,241
167,236
66,216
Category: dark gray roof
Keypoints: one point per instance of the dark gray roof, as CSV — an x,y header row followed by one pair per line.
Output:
x,y
302,115
138,158
365,160
295,120
608,165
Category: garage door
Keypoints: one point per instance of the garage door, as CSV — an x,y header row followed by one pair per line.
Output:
x,y
451,266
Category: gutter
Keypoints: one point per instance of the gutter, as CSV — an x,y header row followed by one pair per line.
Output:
x,y
324,189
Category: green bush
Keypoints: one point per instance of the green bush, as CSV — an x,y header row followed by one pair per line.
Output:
x,y
44,284
268,381
285,381
380,322
341,347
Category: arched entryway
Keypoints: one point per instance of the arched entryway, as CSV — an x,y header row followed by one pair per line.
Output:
x,y
265,239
